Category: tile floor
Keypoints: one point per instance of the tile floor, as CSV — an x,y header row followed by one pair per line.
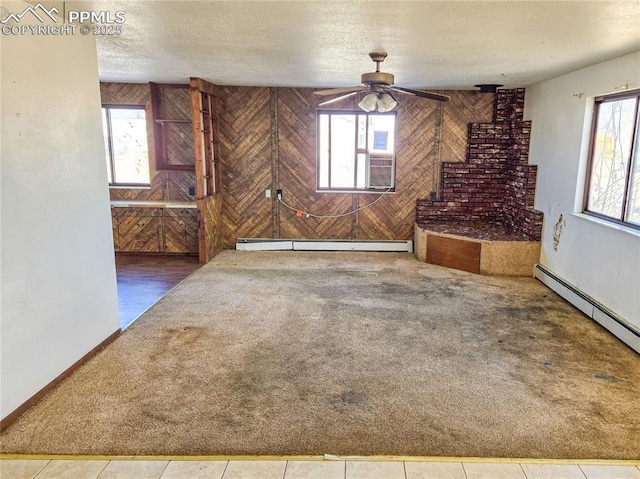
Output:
x,y
306,469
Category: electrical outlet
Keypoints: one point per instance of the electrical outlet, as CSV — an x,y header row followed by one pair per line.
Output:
x,y
267,193
192,190
279,193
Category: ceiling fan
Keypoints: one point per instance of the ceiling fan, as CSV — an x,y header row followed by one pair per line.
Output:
x,y
380,88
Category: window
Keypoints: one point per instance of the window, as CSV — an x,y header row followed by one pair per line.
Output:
x,y
125,143
613,180
356,151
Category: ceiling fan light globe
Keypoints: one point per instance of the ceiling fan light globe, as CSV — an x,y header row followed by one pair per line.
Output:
x,y
369,102
385,103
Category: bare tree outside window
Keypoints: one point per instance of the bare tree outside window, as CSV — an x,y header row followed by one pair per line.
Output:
x,y
613,189
633,208
126,147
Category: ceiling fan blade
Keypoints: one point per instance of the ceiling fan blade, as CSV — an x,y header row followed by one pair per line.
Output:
x,y
420,93
336,91
341,97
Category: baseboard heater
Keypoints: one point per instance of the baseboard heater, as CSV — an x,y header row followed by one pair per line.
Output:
x,y
260,244
620,328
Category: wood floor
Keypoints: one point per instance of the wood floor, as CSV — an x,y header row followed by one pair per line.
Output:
x,y
144,279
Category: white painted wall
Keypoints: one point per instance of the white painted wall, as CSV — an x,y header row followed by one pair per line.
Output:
x,y
601,260
58,279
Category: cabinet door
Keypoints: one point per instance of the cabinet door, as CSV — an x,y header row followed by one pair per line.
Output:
x,y
180,230
139,230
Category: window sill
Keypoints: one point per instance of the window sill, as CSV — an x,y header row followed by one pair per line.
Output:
x,y
129,187
370,192
608,224
153,204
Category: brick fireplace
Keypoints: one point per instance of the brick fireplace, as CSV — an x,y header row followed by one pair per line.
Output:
x,y
487,199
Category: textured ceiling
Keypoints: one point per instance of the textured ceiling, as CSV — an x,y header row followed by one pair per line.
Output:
x,y
431,44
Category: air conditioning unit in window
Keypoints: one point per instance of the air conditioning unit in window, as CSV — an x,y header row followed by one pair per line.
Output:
x,y
380,171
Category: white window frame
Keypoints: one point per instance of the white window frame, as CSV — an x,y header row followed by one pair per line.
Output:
x,y
373,158
109,147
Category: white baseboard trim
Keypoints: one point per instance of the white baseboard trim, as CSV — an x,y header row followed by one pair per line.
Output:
x,y
259,244
244,244
617,326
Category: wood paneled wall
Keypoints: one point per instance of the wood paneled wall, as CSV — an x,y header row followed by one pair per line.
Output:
x,y
296,171
165,185
268,140
154,230
146,229
246,150
210,212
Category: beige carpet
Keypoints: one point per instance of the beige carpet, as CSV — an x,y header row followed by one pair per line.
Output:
x,y
350,354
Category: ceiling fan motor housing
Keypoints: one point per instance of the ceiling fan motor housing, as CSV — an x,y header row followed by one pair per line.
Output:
x,y
377,78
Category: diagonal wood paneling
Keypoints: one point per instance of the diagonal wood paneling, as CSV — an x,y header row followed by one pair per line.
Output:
x,y
165,185
175,103
138,229
428,133
250,146
297,172
178,144
393,216
245,148
180,228
153,230
465,107
211,207
269,141
125,93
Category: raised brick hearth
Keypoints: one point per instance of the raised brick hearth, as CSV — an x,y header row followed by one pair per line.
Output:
x,y
489,197
495,185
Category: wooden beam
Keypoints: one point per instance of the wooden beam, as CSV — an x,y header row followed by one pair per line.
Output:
x,y
196,118
205,86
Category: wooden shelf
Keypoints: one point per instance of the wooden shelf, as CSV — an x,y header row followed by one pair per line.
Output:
x,y
169,137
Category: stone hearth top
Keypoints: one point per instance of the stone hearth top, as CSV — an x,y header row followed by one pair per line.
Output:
x,y
477,230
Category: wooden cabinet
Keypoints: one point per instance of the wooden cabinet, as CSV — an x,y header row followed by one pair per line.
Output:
x,y
180,230
155,229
